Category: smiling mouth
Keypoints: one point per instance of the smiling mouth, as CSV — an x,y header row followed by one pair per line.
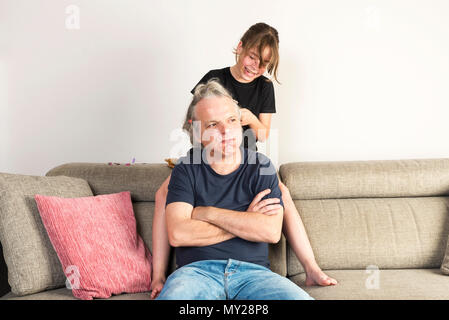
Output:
x,y
250,71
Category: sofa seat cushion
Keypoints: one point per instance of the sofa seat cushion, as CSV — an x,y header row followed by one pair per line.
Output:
x,y
66,294
402,284
392,284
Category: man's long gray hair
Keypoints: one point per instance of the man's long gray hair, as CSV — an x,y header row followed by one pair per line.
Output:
x,y
211,88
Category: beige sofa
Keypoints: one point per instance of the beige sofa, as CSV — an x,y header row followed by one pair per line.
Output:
x,y
379,227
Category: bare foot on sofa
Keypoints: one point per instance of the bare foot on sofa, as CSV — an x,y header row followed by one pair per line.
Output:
x,y
156,288
318,277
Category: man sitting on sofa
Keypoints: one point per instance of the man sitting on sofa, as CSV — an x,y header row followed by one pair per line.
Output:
x,y
217,219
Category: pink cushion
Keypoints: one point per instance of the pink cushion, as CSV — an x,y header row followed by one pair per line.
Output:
x,y
97,243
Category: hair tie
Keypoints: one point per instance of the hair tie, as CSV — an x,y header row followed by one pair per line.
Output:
x,y
189,121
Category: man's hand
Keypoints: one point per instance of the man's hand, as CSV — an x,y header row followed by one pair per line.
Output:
x,y
261,222
268,206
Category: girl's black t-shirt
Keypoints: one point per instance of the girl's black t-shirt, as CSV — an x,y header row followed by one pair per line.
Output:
x,y
257,96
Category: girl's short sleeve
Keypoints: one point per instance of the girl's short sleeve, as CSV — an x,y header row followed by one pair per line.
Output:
x,y
268,100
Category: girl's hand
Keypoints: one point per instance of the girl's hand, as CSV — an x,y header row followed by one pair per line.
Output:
x,y
247,117
156,288
267,206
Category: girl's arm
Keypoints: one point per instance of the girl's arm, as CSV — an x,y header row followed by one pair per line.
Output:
x,y
261,125
161,247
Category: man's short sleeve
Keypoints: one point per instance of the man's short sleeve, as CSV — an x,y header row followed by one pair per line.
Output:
x,y
180,188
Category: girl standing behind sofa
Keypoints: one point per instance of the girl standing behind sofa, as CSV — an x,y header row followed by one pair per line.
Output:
x,y
256,53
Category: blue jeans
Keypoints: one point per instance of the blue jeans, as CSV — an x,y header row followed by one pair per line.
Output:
x,y
229,279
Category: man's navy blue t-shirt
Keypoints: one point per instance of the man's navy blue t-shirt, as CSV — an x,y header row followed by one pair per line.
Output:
x,y
194,181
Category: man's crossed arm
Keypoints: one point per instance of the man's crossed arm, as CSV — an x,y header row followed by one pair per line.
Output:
x,y
203,226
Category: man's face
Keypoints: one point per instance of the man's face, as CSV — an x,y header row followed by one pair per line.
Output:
x,y
220,125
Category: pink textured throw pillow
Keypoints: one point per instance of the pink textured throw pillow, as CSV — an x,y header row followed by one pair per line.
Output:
x,y
97,243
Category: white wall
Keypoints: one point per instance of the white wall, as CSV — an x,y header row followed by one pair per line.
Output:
x,y
361,79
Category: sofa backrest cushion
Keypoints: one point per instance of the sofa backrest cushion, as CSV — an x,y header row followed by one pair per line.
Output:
x,y
142,180
33,265
366,179
387,214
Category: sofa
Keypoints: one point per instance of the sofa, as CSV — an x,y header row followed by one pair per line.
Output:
x,y
379,227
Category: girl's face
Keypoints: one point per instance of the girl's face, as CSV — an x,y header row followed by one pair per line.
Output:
x,y
249,65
